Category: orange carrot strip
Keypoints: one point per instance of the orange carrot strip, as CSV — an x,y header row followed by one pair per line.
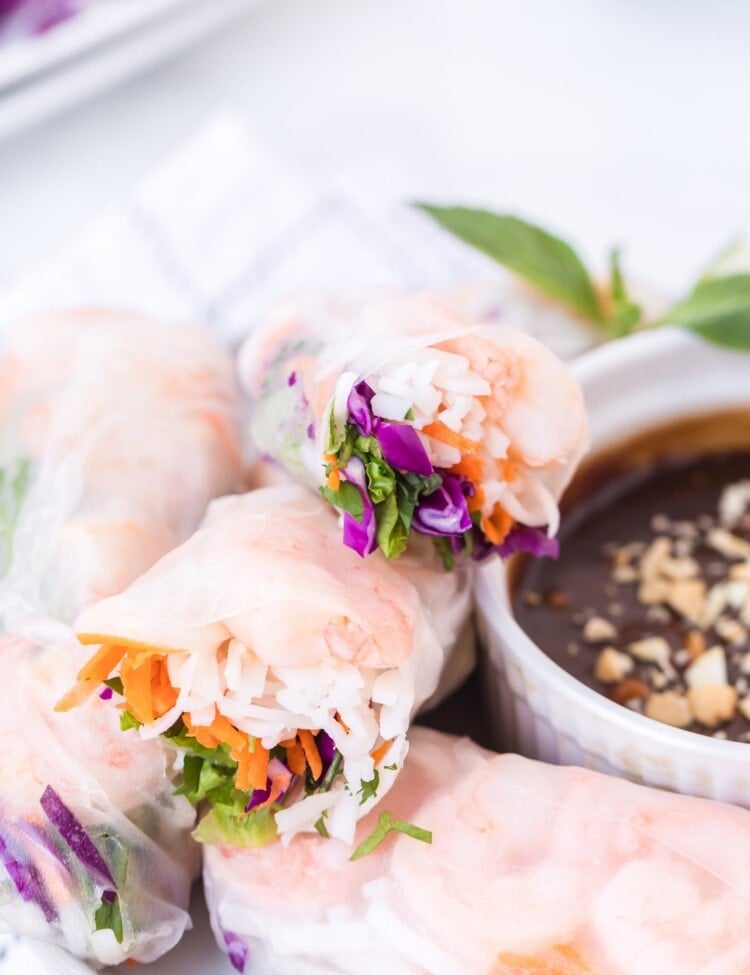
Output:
x,y
279,784
507,470
471,467
163,694
439,431
343,723
381,751
224,731
497,525
252,769
312,754
295,756
102,663
136,688
201,734
476,501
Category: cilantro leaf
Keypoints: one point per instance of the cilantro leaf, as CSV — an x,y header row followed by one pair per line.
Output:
x,y
108,916
115,684
387,824
718,309
548,262
370,789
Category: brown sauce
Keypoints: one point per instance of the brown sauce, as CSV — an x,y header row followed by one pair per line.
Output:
x,y
656,484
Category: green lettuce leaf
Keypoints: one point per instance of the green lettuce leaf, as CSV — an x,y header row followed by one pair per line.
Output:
x,y
108,916
226,826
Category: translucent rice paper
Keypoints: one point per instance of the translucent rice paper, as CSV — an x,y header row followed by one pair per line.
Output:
x,y
118,787
270,622
514,410
115,432
533,870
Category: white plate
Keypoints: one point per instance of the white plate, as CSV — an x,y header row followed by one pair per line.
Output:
x,y
106,42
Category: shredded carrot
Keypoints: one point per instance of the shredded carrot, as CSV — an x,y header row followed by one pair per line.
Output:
x,y
164,696
295,756
381,751
439,431
225,732
280,782
312,755
136,688
507,470
497,525
343,723
252,769
201,734
102,663
471,467
476,501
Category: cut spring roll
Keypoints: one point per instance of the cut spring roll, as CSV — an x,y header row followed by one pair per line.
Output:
x,y
410,420
284,666
115,432
530,869
95,850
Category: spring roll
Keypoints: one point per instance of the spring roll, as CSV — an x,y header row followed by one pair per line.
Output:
x,y
95,850
115,432
411,421
284,666
123,430
482,864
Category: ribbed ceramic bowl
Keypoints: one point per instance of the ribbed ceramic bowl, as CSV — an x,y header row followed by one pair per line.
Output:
x,y
539,709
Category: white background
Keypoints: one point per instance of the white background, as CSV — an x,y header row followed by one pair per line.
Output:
x,y
611,120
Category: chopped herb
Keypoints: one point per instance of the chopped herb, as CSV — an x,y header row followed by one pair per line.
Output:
x,y
115,684
387,824
391,768
128,720
108,916
370,789
320,826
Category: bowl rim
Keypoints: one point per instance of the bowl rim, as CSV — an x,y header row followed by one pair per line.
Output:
x,y
622,354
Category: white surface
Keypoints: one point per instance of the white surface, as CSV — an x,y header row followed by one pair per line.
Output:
x,y
610,119
538,708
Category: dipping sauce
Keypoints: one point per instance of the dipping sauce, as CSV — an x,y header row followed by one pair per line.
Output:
x,y
649,602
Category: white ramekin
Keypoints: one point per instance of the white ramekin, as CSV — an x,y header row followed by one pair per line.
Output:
x,y
539,709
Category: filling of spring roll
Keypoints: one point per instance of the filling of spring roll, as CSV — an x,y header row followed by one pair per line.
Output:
x,y
283,667
464,434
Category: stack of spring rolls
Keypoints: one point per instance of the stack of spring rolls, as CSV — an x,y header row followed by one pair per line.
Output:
x,y
274,661
116,433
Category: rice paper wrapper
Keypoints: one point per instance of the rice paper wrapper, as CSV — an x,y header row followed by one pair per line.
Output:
x,y
91,834
269,623
116,432
489,409
532,868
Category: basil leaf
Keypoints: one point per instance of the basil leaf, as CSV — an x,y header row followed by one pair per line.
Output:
x,y
347,498
548,262
718,309
224,826
108,916
387,824
625,313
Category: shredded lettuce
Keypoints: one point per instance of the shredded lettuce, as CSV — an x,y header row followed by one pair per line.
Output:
x,y
108,916
232,826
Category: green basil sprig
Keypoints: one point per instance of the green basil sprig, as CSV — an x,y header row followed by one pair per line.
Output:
x,y
717,308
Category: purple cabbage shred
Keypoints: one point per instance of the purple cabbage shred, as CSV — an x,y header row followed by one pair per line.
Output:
x,y
27,882
237,950
360,535
75,835
444,512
